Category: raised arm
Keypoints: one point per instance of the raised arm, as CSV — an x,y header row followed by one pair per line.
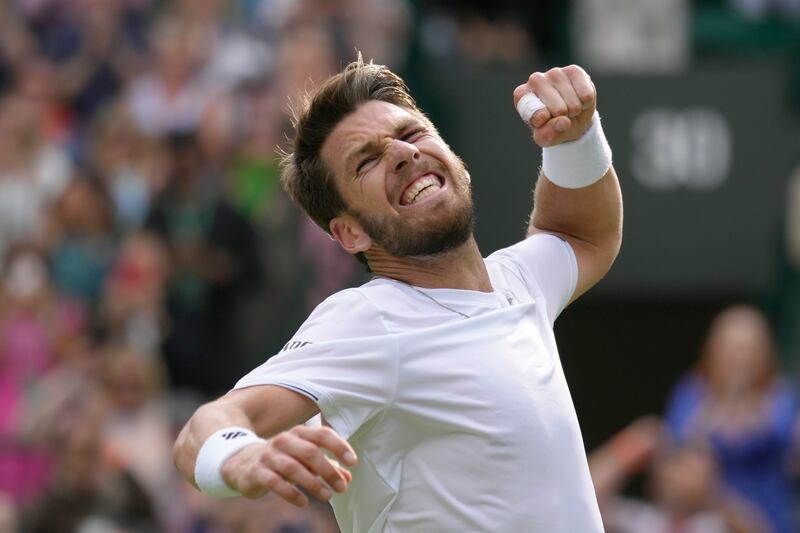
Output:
x,y
290,457
585,210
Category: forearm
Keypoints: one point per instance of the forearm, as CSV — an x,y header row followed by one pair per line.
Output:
x,y
266,410
291,457
591,215
205,421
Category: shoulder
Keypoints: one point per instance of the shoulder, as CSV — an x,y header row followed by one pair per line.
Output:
x,y
544,265
346,314
539,247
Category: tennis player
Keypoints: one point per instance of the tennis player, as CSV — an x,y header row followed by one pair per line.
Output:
x,y
444,403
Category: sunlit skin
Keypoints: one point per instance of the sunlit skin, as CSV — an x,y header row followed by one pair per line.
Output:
x,y
375,153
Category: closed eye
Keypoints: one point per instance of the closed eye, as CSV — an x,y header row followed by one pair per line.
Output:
x,y
364,162
412,135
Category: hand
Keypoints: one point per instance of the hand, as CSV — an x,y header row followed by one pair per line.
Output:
x,y
289,460
570,99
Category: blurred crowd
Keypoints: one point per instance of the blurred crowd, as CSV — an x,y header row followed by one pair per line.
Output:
x,y
148,257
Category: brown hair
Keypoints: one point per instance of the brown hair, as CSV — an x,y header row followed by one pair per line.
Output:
x,y
304,175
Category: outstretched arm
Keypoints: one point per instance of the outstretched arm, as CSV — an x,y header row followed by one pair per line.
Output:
x,y
588,217
290,457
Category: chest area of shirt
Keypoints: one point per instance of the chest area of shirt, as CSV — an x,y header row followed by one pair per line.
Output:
x,y
477,372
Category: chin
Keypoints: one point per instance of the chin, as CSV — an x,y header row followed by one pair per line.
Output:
x,y
426,236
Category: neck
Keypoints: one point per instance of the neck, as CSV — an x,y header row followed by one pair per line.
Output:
x,y
460,268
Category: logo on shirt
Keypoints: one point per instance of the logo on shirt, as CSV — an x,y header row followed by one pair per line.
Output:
x,y
291,345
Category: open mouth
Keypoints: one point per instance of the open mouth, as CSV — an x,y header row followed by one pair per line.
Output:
x,y
423,187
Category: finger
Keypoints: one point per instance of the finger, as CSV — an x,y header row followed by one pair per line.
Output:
x,y
563,85
327,438
543,87
348,476
533,117
582,84
265,480
548,134
311,456
295,472
345,473
342,470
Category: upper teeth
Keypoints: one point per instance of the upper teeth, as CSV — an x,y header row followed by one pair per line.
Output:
x,y
421,188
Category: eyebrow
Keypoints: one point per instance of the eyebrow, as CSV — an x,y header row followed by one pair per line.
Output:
x,y
372,145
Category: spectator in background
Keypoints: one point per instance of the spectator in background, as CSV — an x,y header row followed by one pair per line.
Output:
x,y
229,54
98,49
738,405
683,486
213,257
38,330
131,311
254,178
33,171
137,432
170,97
81,241
89,487
131,165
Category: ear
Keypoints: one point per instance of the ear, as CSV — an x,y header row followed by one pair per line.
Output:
x,y
350,235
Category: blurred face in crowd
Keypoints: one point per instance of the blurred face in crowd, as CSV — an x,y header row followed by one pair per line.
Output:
x,y
683,481
83,209
131,379
25,276
306,53
406,191
140,272
19,131
172,43
738,355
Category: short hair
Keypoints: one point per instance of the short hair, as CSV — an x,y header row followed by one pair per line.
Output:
x,y
304,175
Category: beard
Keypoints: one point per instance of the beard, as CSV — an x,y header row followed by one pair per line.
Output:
x,y
411,238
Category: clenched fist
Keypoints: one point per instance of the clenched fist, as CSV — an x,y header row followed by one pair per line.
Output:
x,y
570,99
290,460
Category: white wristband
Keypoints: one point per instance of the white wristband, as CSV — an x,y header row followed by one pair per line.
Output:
x,y
581,162
213,454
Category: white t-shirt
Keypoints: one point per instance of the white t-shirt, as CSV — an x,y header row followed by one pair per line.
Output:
x,y
460,424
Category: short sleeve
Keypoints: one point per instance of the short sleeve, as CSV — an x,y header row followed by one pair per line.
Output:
x,y
342,358
547,266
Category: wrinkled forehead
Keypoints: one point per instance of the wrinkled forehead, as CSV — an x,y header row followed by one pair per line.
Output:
x,y
371,122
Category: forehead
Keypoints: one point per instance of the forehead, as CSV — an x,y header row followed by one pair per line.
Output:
x,y
371,122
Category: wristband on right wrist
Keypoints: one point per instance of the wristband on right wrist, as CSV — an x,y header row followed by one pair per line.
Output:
x,y
217,449
581,162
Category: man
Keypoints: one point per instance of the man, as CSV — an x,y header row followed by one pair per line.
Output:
x,y
442,372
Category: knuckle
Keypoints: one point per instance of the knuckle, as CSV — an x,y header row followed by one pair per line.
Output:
x,y
559,108
536,79
269,480
280,440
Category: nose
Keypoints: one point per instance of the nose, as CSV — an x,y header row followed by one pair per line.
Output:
x,y
400,154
